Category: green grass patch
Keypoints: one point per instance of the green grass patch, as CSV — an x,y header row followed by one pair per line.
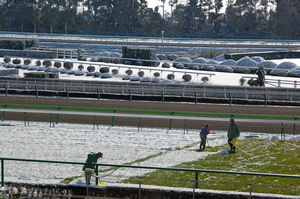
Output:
x,y
253,155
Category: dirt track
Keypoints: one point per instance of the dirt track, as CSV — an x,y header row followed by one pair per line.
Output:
x,y
176,107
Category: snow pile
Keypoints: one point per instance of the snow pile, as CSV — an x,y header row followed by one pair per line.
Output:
x,y
283,68
224,152
295,72
197,63
258,59
210,65
182,60
245,65
267,65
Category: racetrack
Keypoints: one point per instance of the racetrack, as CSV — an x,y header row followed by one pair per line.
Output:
x,y
161,123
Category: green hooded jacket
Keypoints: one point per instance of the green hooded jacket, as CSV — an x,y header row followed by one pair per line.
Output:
x,y
233,131
92,159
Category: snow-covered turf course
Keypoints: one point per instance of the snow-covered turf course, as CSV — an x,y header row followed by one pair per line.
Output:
x,y
120,145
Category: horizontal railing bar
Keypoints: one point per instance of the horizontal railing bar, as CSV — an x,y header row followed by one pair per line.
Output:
x,y
153,89
159,168
148,116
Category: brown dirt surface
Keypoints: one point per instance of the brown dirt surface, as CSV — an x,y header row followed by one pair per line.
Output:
x,y
159,106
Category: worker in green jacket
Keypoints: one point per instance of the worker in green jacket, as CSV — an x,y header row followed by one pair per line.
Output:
x,y
233,132
89,168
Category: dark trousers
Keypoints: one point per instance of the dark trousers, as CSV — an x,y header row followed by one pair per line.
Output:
x,y
203,141
232,147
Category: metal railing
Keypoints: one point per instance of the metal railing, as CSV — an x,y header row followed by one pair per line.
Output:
x,y
148,114
192,91
195,171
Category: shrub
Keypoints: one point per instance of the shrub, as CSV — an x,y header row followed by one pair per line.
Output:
x,y
90,68
156,74
7,59
166,65
104,69
205,79
128,72
57,64
27,61
187,77
141,73
68,65
47,63
81,67
115,71
38,63
16,61
242,81
170,76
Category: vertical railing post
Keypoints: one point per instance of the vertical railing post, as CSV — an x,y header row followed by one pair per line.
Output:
x,y
230,99
97,172
250,190
57,115
266,100
98,92
67,90
139,124
2,172
36,92
196,179
113,119
282,131
162,96
130,96
171,122
294,127
6,90
185,127
3,114
196,98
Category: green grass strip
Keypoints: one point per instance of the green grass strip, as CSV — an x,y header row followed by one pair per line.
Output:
x,y
154,112
253,155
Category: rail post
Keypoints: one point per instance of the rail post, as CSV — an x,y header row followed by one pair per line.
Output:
x,y
266,100
113,119
230,99
250,190
139,124
26,121
171,121
3,114
67,90
184,127
130,95
98,94
2,172
36,92
95,123
52,125
196,98
57,115
6,90
196,179
294,127
282,131
96,172
162,96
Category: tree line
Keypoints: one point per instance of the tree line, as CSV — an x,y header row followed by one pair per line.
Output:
x,y
194,19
